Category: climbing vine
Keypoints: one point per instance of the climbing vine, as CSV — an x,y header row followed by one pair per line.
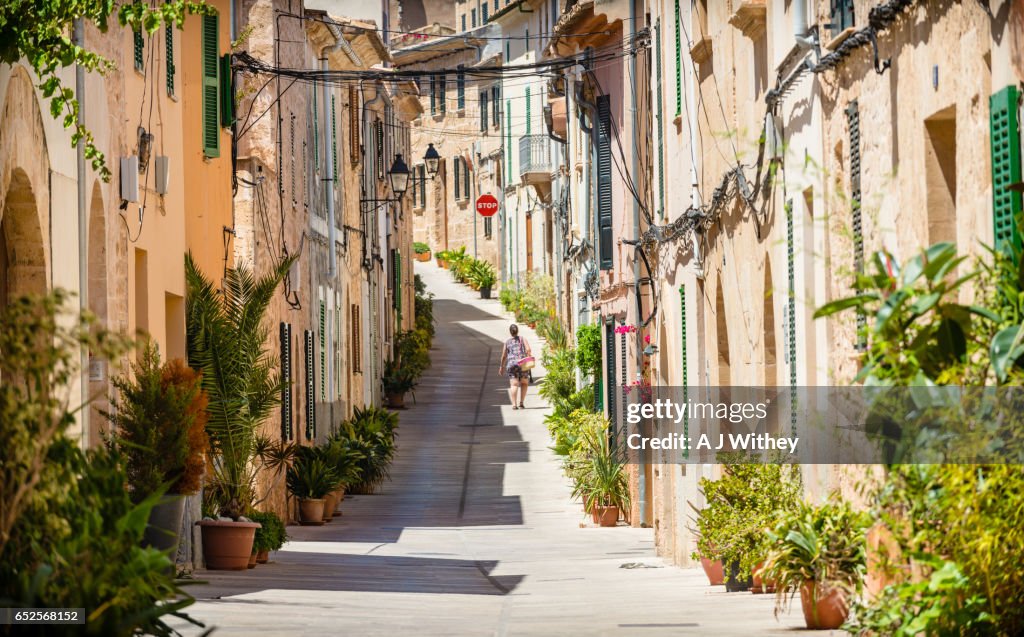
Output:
x,y
41,33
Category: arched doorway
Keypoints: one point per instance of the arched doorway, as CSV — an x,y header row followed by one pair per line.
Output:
x,y
21,239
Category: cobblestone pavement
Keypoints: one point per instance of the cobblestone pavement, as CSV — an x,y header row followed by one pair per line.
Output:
x,y
475,534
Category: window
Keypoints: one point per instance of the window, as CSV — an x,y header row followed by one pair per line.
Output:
x,y
486,14
488,227
604,181
841,15
465,179
483,111
227,94
423,185
443,92
397,269
169,63
419,186
211,87
473,13
940,175
508,51
460,86
495,6
458,178
379,130
463,21
138,45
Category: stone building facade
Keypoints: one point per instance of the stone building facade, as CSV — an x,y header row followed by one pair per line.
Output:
x,y
823,154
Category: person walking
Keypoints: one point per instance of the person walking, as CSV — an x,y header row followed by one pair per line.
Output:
x,y
515,349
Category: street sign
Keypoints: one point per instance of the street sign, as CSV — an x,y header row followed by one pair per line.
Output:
x,y
487,205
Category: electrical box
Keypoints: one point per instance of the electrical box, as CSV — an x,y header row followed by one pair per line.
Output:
x,y
163,174
130,178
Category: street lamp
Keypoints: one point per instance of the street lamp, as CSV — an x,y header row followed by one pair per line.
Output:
x,y
399,176
431,159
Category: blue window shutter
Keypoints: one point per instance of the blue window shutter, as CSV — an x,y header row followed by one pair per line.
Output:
x,y
604,182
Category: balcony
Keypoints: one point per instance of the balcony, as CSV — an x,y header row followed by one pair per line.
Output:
x,y
535,159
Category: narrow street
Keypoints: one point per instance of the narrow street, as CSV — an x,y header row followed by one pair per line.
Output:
x,y
476,533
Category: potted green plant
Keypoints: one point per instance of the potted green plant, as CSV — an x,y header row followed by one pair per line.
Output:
x,y
227,342
422,251
818,551
397,380
442,258
742,506
310,479
159,428
371,433
484,277
600,477
344,460
271,535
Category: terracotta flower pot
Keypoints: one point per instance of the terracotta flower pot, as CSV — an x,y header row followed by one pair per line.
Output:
x,y
252,560
714,570
823,610
329,504
339,495
227,545
607,515
311,512
396,400
262,557
760,585
423,257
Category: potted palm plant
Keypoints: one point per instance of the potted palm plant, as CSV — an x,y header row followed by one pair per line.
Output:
x,y
310,479
818,551
159,420
484,277
601,481
227,342
397,381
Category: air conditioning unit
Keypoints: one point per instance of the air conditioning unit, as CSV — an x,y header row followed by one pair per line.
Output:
x,y
130,178
163,174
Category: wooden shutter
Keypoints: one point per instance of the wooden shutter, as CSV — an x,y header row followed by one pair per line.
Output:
x,y
460,85
1004,128
853,121
310,392
660,119
679,60
357,342
211,87
227,96
354,128
169,52
138,50
322,342
334,140
286,387
604,181
528,110
609,362
458,178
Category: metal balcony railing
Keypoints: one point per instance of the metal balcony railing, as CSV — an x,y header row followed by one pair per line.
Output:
x,y
534,157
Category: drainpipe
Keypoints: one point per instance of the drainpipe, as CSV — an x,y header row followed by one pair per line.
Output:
x,y
83,231
636,257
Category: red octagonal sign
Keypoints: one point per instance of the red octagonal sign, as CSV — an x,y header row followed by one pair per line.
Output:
x,y
487,205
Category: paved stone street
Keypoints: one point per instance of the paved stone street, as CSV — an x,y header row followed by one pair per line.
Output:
x,y
476,533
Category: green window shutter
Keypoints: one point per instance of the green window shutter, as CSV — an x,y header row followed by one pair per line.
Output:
x,y
841,15
606,241
528,110
460,85
508,144
463,21
398,283
322,333
285,338
495,102
661,130
169,51
334,138
433,95
316,132
679,61
310,385
211,87
609,362
1006,167
138,46
853,121
465,179
443,96
483,110
791,312
458,180
682,347
227,98
508,51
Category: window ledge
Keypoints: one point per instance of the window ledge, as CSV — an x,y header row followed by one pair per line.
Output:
x,y
750,18
834,43
701,50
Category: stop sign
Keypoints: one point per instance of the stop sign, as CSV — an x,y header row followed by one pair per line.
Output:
x,y
487,205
